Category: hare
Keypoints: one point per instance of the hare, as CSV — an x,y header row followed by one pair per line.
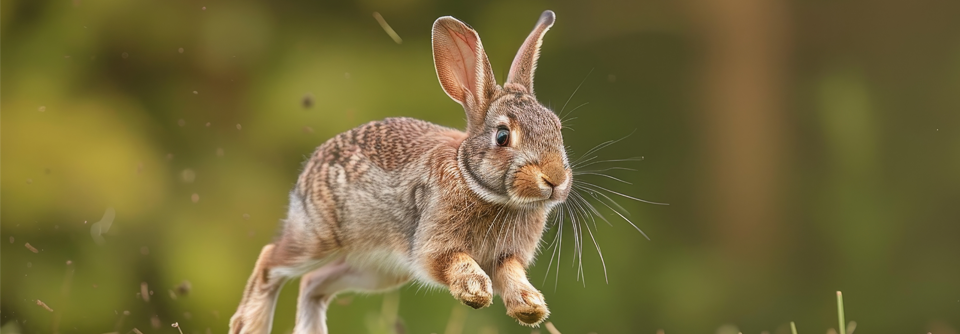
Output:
x,y
403,199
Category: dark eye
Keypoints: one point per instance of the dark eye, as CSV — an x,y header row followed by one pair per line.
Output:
x,y
503,137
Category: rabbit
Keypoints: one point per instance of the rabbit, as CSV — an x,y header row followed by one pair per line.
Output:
x,y
403,199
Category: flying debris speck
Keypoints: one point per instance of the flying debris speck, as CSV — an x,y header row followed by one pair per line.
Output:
x,y
307,101
181,122
44,305
42,108
180,50
99,228
219,152
204,8
196,92
195,198
31,248
184,287
124,55
238,126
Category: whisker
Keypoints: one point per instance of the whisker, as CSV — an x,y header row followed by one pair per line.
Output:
x,y
578,200
626,219
603,175
594,193
593,210
571,113
604,170
493,222
603,145
587,162
575,92
599,252
558,220
620,194
556,279
578,211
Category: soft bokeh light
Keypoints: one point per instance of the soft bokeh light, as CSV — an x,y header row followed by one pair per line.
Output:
x,y
804,147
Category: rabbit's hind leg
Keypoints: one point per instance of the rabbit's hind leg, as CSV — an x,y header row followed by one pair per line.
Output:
x,y
319,287
255,313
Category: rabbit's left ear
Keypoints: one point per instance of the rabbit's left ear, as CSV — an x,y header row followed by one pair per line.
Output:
x,y
463,69
525,62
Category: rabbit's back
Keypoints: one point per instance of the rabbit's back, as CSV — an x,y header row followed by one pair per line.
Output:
x,y
359,191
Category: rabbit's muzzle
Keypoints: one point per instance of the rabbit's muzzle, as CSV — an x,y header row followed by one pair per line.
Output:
x,y
548,180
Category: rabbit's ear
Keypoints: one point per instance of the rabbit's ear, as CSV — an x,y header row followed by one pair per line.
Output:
x,y
462,67
525,62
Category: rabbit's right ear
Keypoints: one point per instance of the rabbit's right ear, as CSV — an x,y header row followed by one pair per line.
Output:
x,y
463,68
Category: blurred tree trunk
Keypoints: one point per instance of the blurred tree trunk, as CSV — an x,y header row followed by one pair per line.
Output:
x,y
745,48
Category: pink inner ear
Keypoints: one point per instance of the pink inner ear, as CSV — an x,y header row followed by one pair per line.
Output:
x,y
465,67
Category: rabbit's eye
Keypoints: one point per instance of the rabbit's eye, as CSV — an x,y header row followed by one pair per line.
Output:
x,y
503,137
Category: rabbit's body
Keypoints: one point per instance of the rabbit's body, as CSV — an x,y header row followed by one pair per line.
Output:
x,y
364,206
401,199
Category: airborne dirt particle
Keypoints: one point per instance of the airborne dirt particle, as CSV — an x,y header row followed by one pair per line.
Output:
x,y
44,305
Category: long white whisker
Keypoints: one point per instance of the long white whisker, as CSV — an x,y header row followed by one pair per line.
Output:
x,y
626,219
588,162
593,211
571,113
493,222
575,172
600,253
556,279
602,146
603,175
574,92
558,220
597,194
620,194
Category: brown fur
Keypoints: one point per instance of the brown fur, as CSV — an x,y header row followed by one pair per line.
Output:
x,y
401,199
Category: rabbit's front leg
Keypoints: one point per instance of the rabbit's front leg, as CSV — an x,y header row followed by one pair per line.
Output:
x,y
522,300
466,280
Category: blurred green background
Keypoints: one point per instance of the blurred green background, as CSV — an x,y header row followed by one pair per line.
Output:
x,y
804,147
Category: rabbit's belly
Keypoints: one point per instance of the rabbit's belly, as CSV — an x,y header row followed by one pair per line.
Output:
x,y
386,262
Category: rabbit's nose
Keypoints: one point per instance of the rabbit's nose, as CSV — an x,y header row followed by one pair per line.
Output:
x,y
554,187
546,187
545,179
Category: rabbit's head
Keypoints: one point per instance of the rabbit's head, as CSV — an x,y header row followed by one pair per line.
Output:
x,y
514,152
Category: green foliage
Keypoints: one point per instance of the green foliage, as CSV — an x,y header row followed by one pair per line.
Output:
x,y
804,148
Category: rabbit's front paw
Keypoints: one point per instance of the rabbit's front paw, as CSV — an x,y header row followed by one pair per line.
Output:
x,y
528,307
474,290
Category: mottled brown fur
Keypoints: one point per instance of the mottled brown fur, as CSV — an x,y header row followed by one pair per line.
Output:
x,y
401,199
